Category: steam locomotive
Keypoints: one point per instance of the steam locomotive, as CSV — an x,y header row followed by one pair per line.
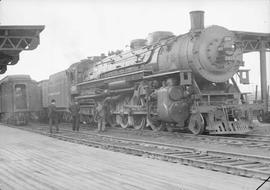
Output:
x,y
164,82
174,82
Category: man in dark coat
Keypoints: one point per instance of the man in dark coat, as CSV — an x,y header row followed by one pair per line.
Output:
x,y
103,114
75,109
53,116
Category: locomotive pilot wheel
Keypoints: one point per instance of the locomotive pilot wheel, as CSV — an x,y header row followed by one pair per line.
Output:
x,y
155,124
196,124
260,118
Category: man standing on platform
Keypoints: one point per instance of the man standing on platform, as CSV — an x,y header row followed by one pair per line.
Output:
x,y
53,116
75,109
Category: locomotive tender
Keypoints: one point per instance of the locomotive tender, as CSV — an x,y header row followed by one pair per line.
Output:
x,y
60,87
170,82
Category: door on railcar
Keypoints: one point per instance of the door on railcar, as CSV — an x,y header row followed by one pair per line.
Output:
x,y
20,97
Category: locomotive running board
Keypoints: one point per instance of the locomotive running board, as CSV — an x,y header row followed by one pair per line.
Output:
x,y
112,92
140,73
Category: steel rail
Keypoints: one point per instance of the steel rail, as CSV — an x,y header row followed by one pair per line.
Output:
x,y
254,141
250,141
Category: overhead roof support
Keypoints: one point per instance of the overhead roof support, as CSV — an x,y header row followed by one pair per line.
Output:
x,y
263,71
257,42
13,40
252,41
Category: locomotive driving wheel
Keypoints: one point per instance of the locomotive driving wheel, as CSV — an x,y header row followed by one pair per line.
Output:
x,y
260,117
196,124
152,120
138,121
122,120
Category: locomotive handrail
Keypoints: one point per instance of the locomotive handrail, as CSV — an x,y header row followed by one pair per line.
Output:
x,y
222,94
152,46
164,73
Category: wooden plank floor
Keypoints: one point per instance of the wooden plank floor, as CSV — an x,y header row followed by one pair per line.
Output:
x,y
32,161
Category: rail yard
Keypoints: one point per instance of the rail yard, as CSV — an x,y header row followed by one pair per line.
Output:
x,y
167,113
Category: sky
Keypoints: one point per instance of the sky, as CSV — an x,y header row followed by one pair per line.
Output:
x,y
77,29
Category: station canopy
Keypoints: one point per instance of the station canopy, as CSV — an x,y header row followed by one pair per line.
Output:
x,y
252,41
13,40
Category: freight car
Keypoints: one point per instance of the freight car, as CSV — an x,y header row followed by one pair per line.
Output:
x,y
175,82
20,99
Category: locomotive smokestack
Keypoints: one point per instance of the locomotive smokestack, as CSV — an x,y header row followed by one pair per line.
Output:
x,y
196,20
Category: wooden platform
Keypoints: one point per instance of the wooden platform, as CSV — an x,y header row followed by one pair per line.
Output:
x,y
32,161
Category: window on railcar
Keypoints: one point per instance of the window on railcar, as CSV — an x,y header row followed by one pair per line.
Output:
x,y
20,96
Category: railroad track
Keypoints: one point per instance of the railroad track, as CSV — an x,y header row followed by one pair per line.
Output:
x,y
236,164
249,141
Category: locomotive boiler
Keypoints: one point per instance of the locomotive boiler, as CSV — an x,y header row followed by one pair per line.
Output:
x,y
174,82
